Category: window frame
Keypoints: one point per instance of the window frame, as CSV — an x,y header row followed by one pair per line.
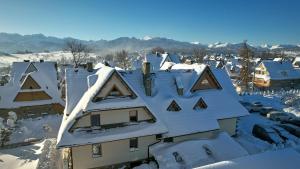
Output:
x,y
135,117
135,145
99,118
100,153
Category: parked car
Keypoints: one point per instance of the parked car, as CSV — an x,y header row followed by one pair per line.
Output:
x,y
295,130
280,116
266,133
285,134
265,110
295,122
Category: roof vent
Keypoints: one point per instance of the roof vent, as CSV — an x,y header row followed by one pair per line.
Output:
x,y
26,60
41,60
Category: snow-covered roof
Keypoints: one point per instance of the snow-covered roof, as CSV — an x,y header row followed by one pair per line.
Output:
x,y
44,73
278,159
158,60
194,152
221,104
281,70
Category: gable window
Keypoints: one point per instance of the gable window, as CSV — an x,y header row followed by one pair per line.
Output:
x,y
133,144
114,92
206,81
133,116
200,104
97,150
173,106
95,120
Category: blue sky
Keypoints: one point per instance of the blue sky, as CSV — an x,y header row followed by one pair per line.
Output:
x,y
206,21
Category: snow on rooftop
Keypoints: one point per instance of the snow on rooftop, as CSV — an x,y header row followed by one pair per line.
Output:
x,y
45,76
197,152
279,159
220,103
280,70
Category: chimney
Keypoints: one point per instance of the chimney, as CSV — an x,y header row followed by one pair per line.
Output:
x,y
147,78
26,60
41,60
89,66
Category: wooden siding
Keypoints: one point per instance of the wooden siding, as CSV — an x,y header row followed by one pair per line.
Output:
x,y
30,83
32,96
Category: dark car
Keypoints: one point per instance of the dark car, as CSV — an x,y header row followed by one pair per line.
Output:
x,y
295,122
295,130
266,133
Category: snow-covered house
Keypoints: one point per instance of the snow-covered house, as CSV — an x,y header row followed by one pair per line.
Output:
x,y
276,74
296,62
113,117
31,90
157,60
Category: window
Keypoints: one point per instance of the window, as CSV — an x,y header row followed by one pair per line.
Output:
x,y
200,104
169,139
97,150
95,120
133,116
174,106
114,92
133,144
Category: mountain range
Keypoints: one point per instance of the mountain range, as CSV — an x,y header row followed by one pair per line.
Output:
x,y
14,43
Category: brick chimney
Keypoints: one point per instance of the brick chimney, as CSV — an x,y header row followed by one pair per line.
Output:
x,y
89,66
147,78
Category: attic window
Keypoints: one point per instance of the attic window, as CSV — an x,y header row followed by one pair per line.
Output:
x,y
115,92
31,68
206,81
173,106
200,104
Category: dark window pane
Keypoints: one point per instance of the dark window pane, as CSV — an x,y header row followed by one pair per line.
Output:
x,y
95,120
133,116
133,143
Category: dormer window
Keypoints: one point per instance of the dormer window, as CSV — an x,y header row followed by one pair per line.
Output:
x,y
206,81
200,105
174,106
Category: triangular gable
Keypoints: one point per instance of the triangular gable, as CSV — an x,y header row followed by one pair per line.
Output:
x,y
30,83
207,80
31,68
114,87
200,104
174,106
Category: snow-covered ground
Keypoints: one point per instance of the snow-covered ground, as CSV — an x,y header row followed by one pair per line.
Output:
x,y
53,56
41,127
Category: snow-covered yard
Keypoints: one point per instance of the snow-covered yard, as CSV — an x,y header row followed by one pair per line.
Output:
x,y
41,127
42,155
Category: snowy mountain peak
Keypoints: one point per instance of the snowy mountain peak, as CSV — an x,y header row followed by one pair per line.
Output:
x,y
195,43
218,45
147,38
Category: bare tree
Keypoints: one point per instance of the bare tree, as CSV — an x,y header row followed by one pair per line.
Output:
x,y
122,60
246,54
199,54
157,50
80,52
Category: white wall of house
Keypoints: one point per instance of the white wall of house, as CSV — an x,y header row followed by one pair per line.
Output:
x,y
114,152
202,135
228,125
114,117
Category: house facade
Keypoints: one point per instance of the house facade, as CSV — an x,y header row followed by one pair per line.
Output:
x,y
113,117
31,90
276,75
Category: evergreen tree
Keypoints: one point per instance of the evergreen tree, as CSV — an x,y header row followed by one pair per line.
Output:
x,y
246,55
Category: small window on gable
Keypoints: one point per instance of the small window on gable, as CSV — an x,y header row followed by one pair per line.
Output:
x,y
97,150
31,68
114,92
133,116
200,104
174,106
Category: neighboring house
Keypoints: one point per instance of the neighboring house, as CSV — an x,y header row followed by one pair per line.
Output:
x,y
296,62
276,75
31,90
158,60
112,118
